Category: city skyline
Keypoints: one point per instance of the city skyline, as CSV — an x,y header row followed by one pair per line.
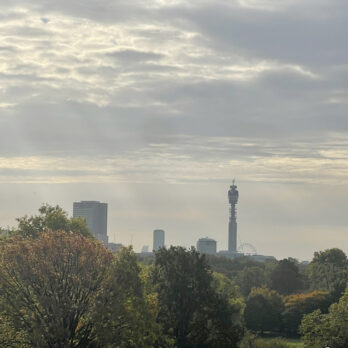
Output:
x,y
127,223
154,106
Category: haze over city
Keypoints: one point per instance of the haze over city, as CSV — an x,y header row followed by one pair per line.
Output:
x,y
154,107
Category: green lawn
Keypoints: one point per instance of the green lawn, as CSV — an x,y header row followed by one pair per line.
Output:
x,y
294,343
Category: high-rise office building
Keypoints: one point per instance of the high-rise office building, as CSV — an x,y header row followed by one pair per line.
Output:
x,y
158,239
233,195
206,246
96,215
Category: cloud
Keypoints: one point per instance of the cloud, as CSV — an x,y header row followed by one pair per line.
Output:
x,y
187,160
301,34
175,93
134,55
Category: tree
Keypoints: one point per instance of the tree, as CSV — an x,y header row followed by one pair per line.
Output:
x,y
125,315
50,218
263,310
297,305
193,309
232,267
328,271
226,288
48,286
251,277
286,278
9,337
225,320
320,330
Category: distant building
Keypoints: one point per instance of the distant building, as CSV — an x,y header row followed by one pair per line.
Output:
x,y
145,249
255,257
4,232
158,239
114,247
96,216
230,255
261,258
206,246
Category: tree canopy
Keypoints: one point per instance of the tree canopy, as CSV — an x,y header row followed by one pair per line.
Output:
x,y
251,277
125,315
297,305
191,309
329,271
50,218
320,330
286,278
48,286
263,310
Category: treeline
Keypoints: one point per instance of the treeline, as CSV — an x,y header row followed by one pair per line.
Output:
x,y
59,287
278,294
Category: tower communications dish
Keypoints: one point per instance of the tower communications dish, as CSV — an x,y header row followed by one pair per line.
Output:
x,y
233,196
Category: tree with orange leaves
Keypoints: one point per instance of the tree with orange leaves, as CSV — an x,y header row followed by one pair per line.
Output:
x,y
297,305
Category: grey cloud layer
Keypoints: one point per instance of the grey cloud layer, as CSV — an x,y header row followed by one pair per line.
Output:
x,y
145,82
313,39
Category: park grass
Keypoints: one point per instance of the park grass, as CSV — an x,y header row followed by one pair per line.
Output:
x,y
293,343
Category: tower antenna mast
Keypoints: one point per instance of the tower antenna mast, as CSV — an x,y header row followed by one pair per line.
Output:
x,y
233,196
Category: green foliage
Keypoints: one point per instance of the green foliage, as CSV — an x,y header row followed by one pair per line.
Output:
x,y
9,337
263,310
320,330
251,277
48,286
194,308
125,314
225,313
328,271
286,278
314,329
297,305
50,218
225,287
146,260
231,267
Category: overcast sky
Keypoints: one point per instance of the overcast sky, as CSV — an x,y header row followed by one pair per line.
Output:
x,y
155,106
